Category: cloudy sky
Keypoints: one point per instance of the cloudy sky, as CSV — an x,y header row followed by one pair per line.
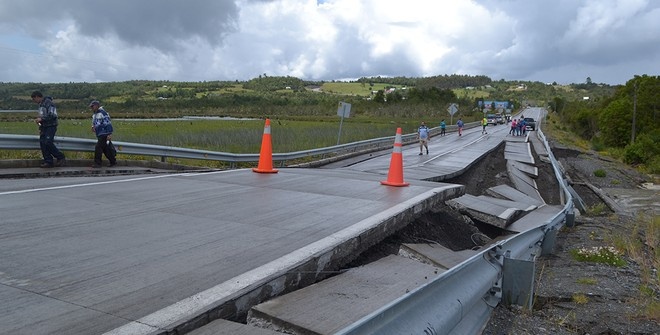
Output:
x,y
565,41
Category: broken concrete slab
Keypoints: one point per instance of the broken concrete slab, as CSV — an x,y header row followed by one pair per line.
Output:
x,y
538,145
508,203
529,169
484,211
523,182
508,192
518,151
435,254
535,218
331,305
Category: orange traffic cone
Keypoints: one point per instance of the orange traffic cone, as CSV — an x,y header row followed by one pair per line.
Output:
x,y
395,175
266,154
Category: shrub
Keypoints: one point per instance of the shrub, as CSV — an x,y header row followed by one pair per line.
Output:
x,y
600,173
597,144
643,151
597,209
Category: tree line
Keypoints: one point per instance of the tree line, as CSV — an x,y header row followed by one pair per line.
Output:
x,y
625,121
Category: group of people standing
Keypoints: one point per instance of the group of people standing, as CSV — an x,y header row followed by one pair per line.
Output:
x,y
48,121
518,127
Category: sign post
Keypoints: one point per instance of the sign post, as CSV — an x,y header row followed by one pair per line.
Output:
x,y
344,110
453,108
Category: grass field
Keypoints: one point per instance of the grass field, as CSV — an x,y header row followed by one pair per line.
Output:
x,y
234,136
359,89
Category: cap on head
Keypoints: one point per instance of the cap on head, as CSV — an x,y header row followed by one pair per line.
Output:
x,y
94,103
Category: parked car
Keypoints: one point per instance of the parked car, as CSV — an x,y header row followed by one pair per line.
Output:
x,y
530,123
491,119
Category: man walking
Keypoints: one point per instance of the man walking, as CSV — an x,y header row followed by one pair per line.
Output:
x,y
460,125
102,126
484,124
423,135
47,121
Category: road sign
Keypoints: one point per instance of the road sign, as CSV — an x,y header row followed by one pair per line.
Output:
x,y
453,108
344,109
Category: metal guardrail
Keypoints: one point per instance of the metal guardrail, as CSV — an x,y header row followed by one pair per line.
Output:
x,y
31,142
460,300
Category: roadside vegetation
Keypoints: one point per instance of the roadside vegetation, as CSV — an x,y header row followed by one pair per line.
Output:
x,y
623,125
643,247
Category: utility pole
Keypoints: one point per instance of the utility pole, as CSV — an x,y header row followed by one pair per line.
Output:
x,y
632,136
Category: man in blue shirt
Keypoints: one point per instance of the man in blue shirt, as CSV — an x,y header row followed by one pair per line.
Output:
x,y
102,126
47,121
424,136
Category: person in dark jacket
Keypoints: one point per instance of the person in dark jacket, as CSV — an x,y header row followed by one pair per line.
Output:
x,y
47,121
102,126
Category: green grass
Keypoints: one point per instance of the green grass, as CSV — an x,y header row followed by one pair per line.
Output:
x,y
600,173
604,255
587,281
234,136
359,89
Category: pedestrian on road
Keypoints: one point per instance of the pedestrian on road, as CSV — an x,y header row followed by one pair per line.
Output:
x,y
102,126
459,124
512,132
47,121
443,127
424,137
484,124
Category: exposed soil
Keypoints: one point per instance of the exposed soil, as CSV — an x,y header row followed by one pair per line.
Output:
x,y
611,299
445,226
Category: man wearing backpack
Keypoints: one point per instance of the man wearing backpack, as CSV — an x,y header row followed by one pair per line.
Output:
x,y
47,121
102,126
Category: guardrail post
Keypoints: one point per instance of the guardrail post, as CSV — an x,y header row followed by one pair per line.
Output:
x,y
570,219
577,200
548,244
518,282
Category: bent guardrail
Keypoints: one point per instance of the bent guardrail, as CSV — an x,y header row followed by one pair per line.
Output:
x,y
460,300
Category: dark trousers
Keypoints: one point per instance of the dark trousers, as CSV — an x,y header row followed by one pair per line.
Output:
x,y
101,149
47,144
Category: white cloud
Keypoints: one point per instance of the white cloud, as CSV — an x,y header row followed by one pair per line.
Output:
x,y
545,40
